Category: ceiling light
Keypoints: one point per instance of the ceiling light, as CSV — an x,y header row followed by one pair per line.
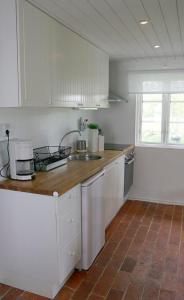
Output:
x,y
157,46
143,22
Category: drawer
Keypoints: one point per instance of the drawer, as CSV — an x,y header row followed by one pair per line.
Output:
x,y
69,257
69,226
70,201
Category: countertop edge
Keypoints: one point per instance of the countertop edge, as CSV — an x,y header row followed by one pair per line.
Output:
x,y
20,186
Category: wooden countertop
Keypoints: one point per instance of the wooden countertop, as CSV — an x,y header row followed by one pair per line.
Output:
x,y
64,178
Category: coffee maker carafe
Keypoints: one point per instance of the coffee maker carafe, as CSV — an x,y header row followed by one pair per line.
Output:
x,y
21,160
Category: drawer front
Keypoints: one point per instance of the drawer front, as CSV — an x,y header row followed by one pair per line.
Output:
x,y
69,216
70,256
70,201
70,226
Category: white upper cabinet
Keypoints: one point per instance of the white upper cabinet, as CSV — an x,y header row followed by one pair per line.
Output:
x,y
102,81
65,67
9,94
47,64
79,70
35,53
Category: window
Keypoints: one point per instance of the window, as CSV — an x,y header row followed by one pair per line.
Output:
x,y
160,119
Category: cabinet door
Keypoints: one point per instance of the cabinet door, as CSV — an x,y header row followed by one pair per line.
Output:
x,y
9,94
104,80
93,75
97,76
35,52
102,76
87,75
110,192
66,63
113,189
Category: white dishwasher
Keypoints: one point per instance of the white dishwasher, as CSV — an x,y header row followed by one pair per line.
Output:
x,y
93,219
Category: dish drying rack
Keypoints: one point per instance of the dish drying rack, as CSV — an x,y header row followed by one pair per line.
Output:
x,y
50,157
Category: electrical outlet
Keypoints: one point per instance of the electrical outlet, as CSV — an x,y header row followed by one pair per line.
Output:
x,y
3,128
83,123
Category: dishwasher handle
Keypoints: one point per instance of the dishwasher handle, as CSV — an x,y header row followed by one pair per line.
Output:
x,y
129,162
93,179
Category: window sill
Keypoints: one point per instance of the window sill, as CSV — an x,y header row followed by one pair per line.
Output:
x,y
160,146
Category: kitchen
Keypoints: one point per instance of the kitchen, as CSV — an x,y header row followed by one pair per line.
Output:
x,y
46,87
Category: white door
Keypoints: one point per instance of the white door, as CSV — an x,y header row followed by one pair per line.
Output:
x,y
110,192
104,80
66,63
91,73
113,188
84,74
34,44
9,93
69,231
93,226
102,84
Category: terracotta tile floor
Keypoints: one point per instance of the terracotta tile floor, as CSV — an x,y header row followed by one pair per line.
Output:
x,y
143,258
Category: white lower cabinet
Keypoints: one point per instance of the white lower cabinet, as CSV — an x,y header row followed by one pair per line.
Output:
x,y
113,188
110,180
41,235
40,240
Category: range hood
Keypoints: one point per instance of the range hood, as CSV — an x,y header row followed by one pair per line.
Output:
x,y
113,97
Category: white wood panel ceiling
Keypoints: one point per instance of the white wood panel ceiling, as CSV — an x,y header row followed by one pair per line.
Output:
x,y
113,25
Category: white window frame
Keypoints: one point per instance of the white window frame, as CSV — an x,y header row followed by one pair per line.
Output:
x,y
164,128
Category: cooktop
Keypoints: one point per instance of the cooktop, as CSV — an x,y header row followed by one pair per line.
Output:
x,y
120,147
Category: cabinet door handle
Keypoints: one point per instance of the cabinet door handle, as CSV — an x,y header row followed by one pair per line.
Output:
x,y
80,104
98,105
71,221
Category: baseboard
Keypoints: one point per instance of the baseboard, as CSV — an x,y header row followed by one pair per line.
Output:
x,y
161,201
126,197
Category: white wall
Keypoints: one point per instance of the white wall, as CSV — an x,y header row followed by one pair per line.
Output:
x,y
118,122
158,173
44,126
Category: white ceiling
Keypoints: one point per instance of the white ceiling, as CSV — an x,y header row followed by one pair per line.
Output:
x,y
113,25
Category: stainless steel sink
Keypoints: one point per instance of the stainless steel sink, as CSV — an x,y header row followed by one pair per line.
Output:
x,y
84,157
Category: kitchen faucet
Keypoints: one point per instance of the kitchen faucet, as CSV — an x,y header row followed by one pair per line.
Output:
x,y
72,131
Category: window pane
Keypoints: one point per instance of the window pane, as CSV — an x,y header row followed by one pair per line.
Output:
x,y
152,97
177,97
176,133
152,111
151,132
177,112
